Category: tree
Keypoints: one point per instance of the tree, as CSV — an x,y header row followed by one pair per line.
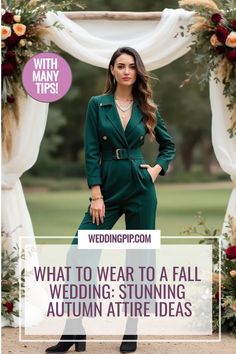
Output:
x,y
50,143
187,109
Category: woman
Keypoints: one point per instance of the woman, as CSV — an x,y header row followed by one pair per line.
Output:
x,y
118,177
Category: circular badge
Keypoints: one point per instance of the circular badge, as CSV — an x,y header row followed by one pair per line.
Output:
x,y
47,77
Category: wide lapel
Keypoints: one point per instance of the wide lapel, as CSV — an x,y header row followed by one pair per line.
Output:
x,y
135,118
113,116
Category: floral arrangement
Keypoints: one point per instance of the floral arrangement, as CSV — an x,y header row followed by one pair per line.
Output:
x,y
226,276
226,298
10,281
214,46
23,33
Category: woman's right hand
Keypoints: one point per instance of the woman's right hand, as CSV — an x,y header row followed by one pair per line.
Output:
x,y
97,211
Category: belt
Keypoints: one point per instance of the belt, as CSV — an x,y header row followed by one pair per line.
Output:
x,y
122,154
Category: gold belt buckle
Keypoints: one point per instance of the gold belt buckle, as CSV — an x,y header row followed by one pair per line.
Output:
x,y
117,154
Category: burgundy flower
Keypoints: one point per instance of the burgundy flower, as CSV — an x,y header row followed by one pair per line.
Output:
x,y
9,306
12,40
7,69
231,57
10,99
10,57
231,251
7,18
216,18
233,23
222,33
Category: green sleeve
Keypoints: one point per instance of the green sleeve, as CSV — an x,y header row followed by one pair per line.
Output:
x,y
92,145
166,145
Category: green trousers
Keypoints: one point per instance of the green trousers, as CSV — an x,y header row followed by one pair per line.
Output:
x,y
128,190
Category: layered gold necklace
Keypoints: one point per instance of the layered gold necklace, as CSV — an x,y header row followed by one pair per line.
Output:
x,y
123,108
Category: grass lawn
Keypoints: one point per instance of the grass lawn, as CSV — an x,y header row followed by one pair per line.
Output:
x,y
59,213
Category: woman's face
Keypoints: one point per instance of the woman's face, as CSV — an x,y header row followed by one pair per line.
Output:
x,y
124,70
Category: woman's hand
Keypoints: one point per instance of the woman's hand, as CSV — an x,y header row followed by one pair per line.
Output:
x,y
153,171
97,211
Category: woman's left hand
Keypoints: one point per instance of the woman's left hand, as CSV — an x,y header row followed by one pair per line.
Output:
x,y
153,171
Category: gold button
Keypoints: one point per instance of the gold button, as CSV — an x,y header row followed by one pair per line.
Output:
x,y
104,137
141,137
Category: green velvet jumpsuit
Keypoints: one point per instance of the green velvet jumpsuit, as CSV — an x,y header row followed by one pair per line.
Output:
x,y
113,159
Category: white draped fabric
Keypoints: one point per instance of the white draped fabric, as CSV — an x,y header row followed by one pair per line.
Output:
x,y
93,41
26,139
224,147
16,221
158,42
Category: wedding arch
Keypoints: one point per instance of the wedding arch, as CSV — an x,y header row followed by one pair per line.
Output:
x,y
92,37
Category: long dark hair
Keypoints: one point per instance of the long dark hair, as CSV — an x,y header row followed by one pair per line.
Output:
x,y
141,89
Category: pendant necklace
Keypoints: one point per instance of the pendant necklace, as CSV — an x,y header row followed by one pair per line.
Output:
x,y
123,108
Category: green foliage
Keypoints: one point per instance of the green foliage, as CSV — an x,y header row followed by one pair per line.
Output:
x,y
226,296
10,281
201,229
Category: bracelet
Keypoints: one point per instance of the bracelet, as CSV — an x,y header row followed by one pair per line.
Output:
x,y
95,198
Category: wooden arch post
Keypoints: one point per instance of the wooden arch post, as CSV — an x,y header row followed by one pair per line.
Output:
x,y
113,15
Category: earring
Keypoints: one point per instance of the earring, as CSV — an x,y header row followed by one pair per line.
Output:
x,y
114,80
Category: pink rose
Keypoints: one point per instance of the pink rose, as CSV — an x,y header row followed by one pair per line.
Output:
x,y
5,32
16,18
231,40
214,41
19,29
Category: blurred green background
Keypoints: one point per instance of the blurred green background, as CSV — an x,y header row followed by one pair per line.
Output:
x,y
56,189
60,212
